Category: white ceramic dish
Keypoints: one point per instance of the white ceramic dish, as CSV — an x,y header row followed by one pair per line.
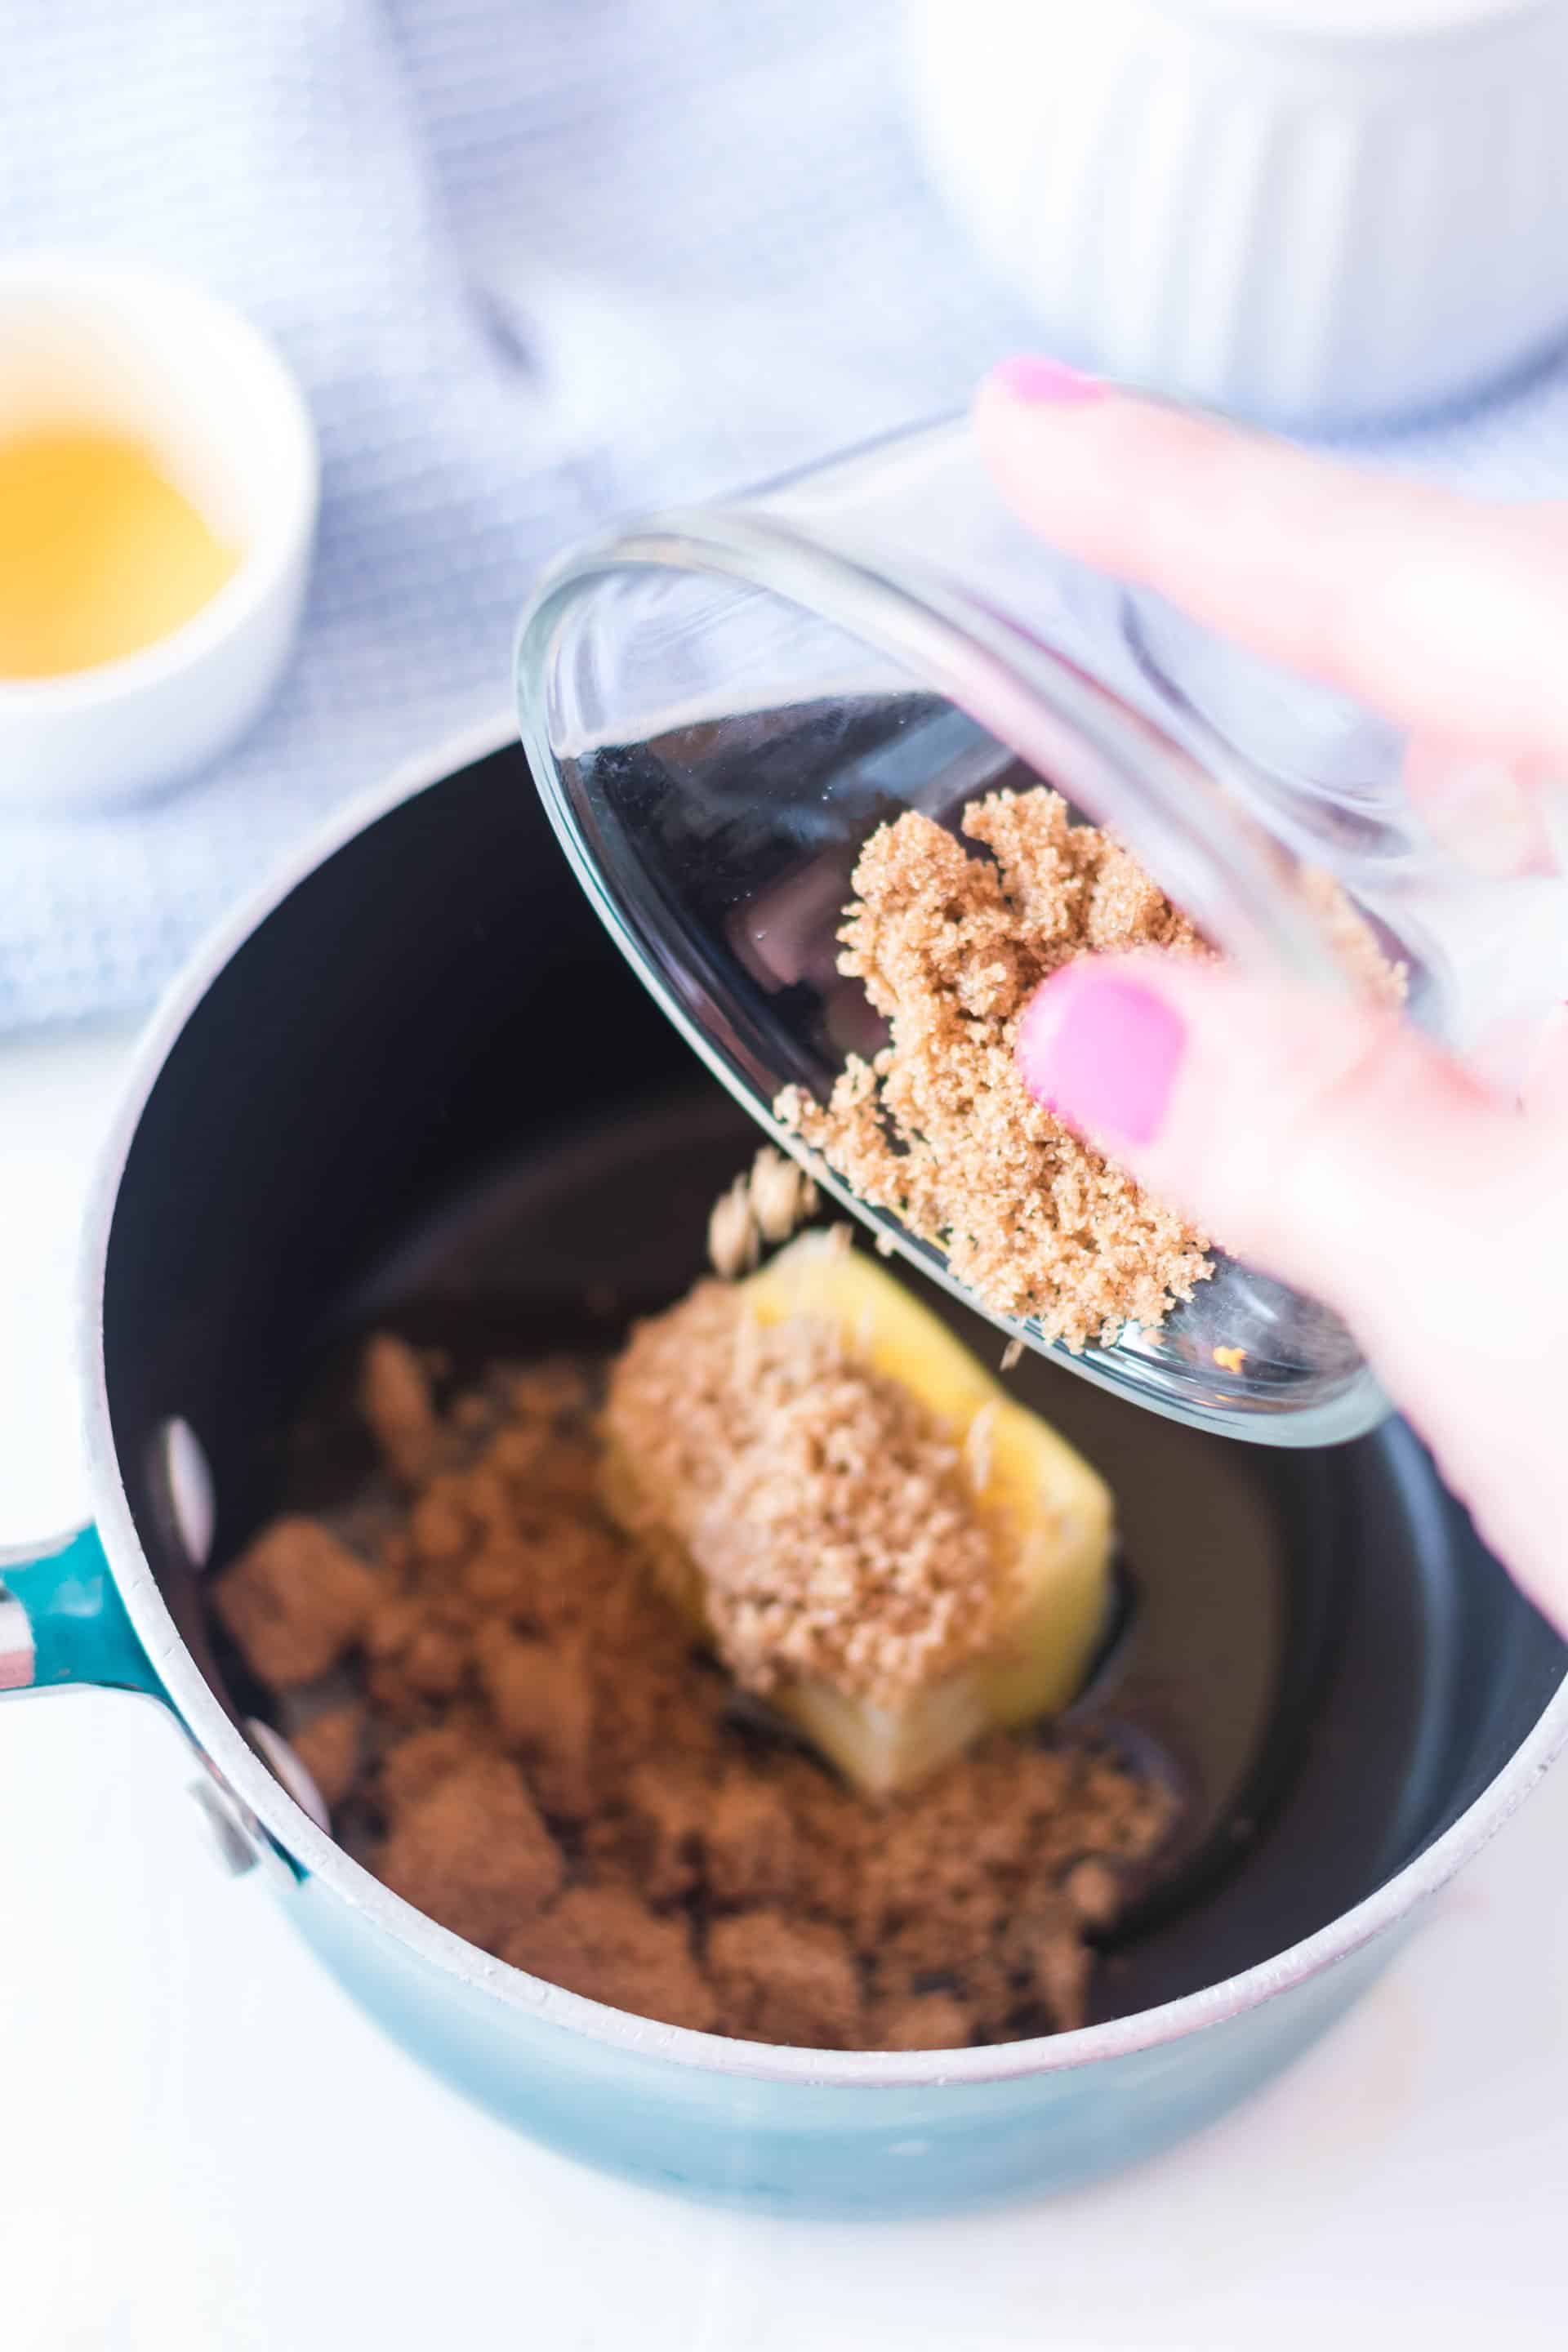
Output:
x,y
1321,212
91,342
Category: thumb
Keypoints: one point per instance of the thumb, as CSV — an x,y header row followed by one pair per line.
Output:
x,y
1321,1138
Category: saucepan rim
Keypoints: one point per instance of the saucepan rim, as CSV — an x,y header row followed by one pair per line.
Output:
x,y
299,1837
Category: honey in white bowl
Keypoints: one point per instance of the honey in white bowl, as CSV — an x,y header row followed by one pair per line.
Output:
x,y
100,553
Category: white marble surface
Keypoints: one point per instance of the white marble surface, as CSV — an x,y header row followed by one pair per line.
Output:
x,y
205,2146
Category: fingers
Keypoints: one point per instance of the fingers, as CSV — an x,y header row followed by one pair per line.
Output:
x,y
1448,615
1498,817
1325,1141
1336,1149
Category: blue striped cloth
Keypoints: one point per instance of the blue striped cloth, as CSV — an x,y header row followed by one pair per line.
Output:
x,y
534,260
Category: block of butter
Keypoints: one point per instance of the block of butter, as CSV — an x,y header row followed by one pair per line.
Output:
x,y
1046,1514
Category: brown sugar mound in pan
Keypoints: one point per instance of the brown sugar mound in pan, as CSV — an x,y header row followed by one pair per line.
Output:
x,y
832,1520
541,1758
938,1127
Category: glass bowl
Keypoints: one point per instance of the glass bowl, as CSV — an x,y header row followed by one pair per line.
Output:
x,y
720,705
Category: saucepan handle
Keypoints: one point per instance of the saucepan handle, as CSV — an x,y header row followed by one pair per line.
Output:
x,y
63,1625
63,1621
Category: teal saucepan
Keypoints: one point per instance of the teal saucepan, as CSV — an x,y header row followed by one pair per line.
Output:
x,y
413,1083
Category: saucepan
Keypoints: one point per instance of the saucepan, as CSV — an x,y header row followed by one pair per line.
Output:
x,y
413,1085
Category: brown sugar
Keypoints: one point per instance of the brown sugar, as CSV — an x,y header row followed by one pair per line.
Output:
x,y
938,1126
750,1843
767,1204
925,2020
541,1697
606,1943
411,1768
328,1748
295,1602
396,1396
591,1802
787,1980
831,1522
474,1852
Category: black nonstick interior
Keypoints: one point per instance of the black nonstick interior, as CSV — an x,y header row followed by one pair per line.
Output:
x,y
428,1094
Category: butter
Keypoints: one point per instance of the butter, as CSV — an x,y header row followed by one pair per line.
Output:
x,y
1046,1514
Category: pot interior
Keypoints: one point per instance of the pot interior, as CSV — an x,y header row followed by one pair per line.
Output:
x,y
427,1095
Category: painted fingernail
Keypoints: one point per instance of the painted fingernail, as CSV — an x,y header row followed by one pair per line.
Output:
x,y
1103,1053
1047,383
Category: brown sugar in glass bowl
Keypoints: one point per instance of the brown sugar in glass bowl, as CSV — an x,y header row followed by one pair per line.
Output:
x,y
950,945
723,705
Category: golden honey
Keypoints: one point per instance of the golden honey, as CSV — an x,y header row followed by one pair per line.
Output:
x,y
100,553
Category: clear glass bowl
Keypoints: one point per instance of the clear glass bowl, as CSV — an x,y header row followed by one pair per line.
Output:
x,y
720,705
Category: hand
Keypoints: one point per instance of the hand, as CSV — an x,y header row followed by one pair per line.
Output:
x,y
1331,1144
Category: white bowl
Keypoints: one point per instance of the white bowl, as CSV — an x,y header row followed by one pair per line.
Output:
x,y
90,342
1320,212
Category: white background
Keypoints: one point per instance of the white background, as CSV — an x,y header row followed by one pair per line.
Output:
x,y
203,2144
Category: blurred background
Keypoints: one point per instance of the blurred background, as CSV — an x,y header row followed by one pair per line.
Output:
x,y
531,263
536,261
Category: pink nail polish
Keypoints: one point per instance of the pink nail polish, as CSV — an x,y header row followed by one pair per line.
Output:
x,y
1047,383
1101,1053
